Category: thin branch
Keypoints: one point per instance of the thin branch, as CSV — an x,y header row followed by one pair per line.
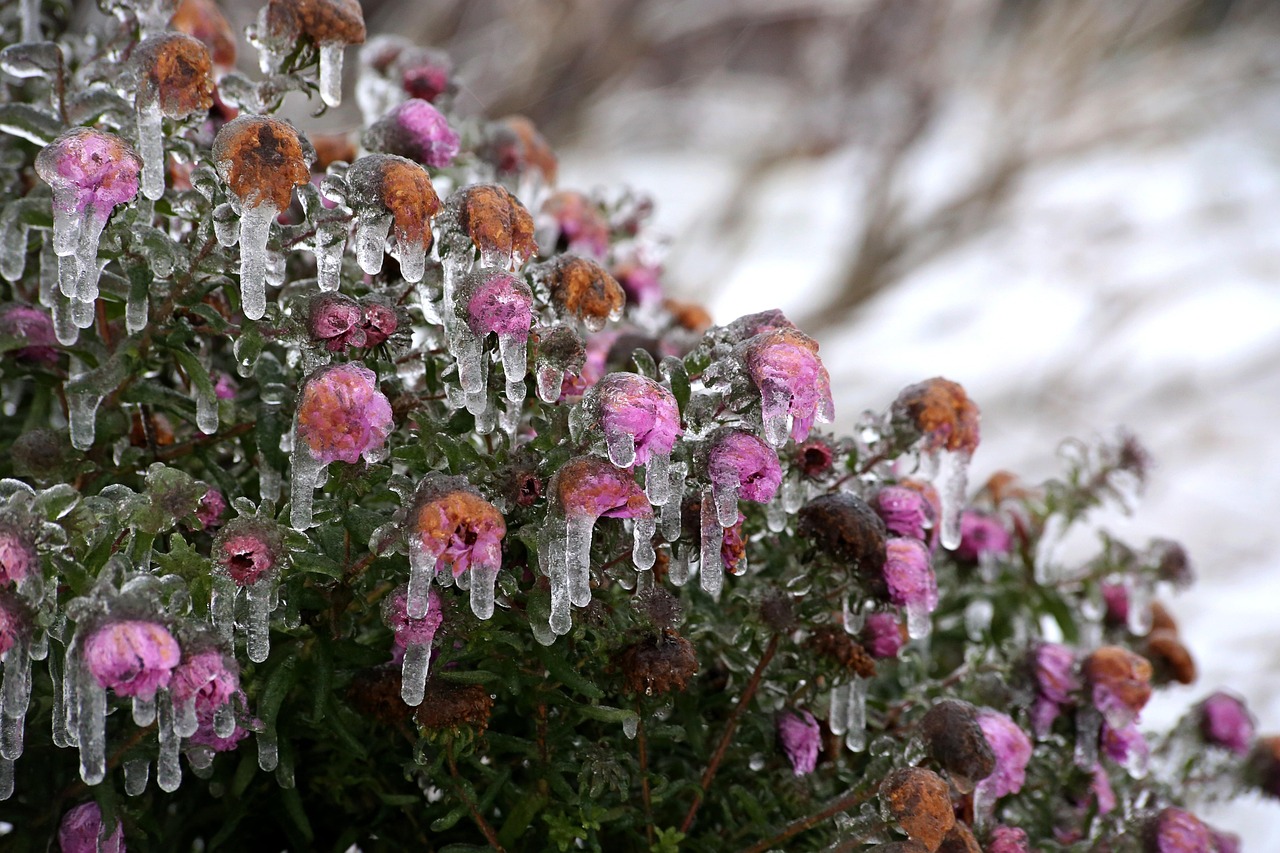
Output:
x,y
485,828
796,827
643,746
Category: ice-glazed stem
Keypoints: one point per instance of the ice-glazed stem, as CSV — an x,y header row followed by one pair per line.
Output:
x,y
258,640
371,240
92,728
482,582
331,74
577,544
151,147
642,553
422,568
413,673
168,767
255,229
711,561
31,21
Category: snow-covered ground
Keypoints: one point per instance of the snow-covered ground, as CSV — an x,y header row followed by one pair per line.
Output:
x,y
1131,283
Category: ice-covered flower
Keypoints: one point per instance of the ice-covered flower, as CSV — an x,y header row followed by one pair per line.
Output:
x,y
342,415
1126,746
1226,722
1178,831
1007,839
212,507
579,225
81,828
981,534
336,322
587,486
904,511
1120,681
1055,672
497,301
1012,750
13,622
939,411
1116,599
784,366
909,574
389,191
641,280
248,548
174,72
207,736
132,657
90,172
815,457
203,20
33,325
489,219
882,635
581,288
514,147
748,463
380,321
416,130
18,555
261,160
409,631
456,526
208,678
801,740
631,410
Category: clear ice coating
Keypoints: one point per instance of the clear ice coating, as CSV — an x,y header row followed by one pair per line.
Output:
x,y
372,228
330,240
838,713
268,750
711,561
554,558
144,710
91,726
136,309
331,73
422,568
413,673
136,773
15,695
255,229
82,413
577,546
226,225
258,639
951,483
206,407
550,381
642,553
775,408
482,581
919,621
307,472
151,147
855,735
31,21
168,767
724,497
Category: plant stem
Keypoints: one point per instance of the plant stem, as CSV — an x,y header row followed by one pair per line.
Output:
x,y
643,747
730,727
796,827
485,828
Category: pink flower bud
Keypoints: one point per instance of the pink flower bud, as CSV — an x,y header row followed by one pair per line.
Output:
x,y
81,827
588,486
904,511
1226,722
335,321
34,326
496,301
408,631
748,463
457,526
882,636
909,575
981,534
425,74
342,415
206,735
801,740
380,322
18,555
90,172
1012,749
133,658
784,366
417,131
212,507
1056,678
633,405
1178,831
248,548
208,678
224,387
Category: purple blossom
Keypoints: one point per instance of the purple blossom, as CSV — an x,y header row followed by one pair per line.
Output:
x,y
909,575
1226,722
784,366
380,322
882,635
457,526
904,511
211,509
417,130
206,677
980,535
132,657
1008,839
90,172
342,415
815,457
1056,678
248,548
582,229
1012,749
335,321
587,486
18,556
641,281
409,631
35,327
1178,831
224,387
13,623
630,404
1126,746
1103,793
801,740
205,734
81,827
1116,599
498,302
747,462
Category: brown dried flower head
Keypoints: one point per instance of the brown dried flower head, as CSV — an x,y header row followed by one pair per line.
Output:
x,y
960,840
955,740
920,801
400,186
262,159
584,289
515,146
447,707
1162,619
323,21
1170,659
174,70
658,665
497,223
836,644
940,410
845,528
688,315
202,19
332,148
1118,675
376,694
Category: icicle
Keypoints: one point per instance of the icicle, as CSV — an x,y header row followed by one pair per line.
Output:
x,y
855,738
168,767
852,618
1088,727
711,562
792,494
31,24
226,226
13,242
201,760
268,751
622,448
919,623
422,568
224,720
482,581
144,711
557,569
412,256
136,773
577,544
61,738
725,496
775,517
331,239
6,778
64,326
642,553
468,352
255,230
135,312
307,472
185,720
82,413
206,408
331,73
258,640
550,382
657,479
151,147
15,696
952,483
513,348
413,673
222,605
631,725
82,313
775,405
670,519
269,482
838,715
91,735
371,240
678,572
1140,592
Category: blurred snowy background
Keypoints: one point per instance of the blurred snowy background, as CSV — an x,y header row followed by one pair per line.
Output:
x,y
1072,207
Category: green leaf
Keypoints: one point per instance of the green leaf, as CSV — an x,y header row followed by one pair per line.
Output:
x,y
447,822
561,671
26,122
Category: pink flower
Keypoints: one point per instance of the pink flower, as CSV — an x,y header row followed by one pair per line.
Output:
x,y
13,623
882,636
1012,749
785,368
1178,831
224,387
641,281
746,462
1007,839
1125,746
581,227
801,740
34,326
207,736
208,678
425,74
497,301
457,526
627,404
380,322
909,575
409,631
18,555
1055,672
133,658
211,509
417,130
80,830
1226,722
941,413
335,321
342,415
981,534
90,172
587,486
815,457
904,511
248,548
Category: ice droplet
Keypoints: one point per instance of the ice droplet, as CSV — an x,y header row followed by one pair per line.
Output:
x,y
226,226
838,714
413,673
550,382
482,581
331,73
952,484
82,413
330,241
268,751
422,568
711,563
792,494
642,553
306,473
919,623
206,408
82,312
258,639
151,147
185,720
144,710
136,773
678,573
371,240
725,498
135,312
855,738
91,734
630,725
852,618
255,230
657,478
577,545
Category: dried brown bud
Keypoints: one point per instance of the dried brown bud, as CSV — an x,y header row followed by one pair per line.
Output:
x,y
778,611
323,21
262,159
515,147
448,707
1263,768
1170,659
955,740
332,148
960,840
497,223
836,644
175,71
1119,678
376,694
402,188
1162,619
585,289
920,801
658,665
940,410
688,315
202,19
846,528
